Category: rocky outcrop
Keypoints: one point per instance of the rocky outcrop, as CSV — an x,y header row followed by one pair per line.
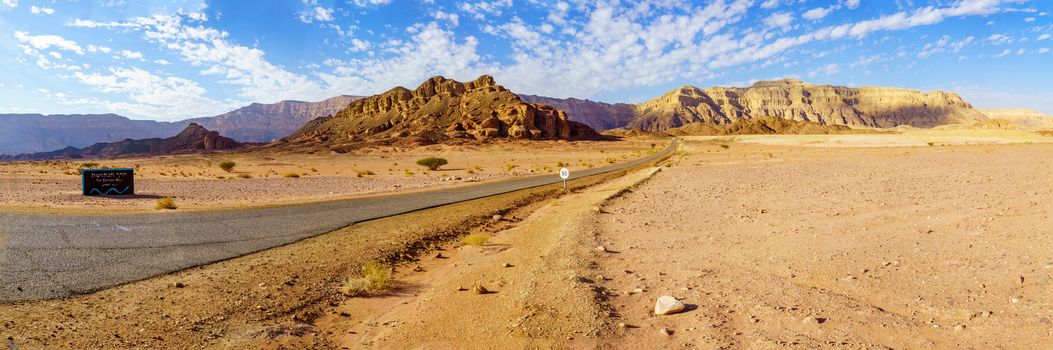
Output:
x,y
1024,118
193,139
795,100
597,115
260,122
439,110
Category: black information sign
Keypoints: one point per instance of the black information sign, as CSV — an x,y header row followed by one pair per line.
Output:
x,y
107,182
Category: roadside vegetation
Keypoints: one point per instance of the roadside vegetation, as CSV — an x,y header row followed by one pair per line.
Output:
x,y
375,280
166,203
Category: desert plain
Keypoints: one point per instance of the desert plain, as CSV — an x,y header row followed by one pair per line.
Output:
x,y
922,239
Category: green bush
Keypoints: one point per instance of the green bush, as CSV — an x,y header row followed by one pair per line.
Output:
x,y
227,165
376,279
432,163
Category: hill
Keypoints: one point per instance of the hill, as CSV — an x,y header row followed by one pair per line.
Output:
x,y
194,138
440,110
796,100
1025,118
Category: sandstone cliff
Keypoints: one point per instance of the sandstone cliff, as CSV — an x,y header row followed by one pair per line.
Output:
x,y
193,139
796,100
597,115
438,110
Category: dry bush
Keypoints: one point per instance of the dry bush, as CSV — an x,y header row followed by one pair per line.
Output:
x,y
477,239
165,203
227,165
291,175
375,280
364,173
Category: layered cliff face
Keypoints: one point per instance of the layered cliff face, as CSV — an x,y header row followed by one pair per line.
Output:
x,y
441,109
1024,118
796,100
597,115
193,139
268,122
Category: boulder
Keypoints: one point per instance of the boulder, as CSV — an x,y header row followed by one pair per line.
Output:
x,y
667,305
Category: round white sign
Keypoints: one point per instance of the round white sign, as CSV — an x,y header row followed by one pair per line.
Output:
x,y
564,173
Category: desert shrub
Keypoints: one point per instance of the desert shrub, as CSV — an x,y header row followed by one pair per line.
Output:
x,y
89,165
408,173
477,239
561,164
931,144
291,175
375,280
245,176
227,165
432,163
510,166
725,146
165,203
363,173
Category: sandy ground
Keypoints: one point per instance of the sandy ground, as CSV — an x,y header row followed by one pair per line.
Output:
x,y
196,182
770,246
789,247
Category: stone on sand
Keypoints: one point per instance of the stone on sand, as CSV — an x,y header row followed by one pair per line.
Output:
x,y
667,305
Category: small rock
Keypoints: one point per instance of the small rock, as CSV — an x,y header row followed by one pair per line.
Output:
x,y
178,285
665,331
479,289
959,328
496,217
667,305
507,265
601,249
461,289
439,256
344,314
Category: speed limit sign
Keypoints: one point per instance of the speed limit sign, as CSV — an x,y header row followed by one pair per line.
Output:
x,y
564,174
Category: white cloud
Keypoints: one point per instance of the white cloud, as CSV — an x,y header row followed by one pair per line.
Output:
x,y
1029,19
828,70
770,4
41,10
128,54
480,9
10,3
817,13
449,17
103,49
999,39
156,96
1043,50
162,62
1004,53
366,3
1042,37
851,4
44,42
782,20
317,14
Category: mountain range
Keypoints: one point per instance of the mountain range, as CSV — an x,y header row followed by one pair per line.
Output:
x,y
441,109
33,133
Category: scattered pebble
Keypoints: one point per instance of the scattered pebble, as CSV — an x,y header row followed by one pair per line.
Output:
x,y
665,331
479,289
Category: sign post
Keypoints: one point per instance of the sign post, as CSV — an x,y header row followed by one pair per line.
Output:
x,y
107,182
564,174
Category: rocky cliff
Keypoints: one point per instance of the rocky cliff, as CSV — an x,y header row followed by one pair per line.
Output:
x,y
597,115
193,139
260,122
438,110
796,100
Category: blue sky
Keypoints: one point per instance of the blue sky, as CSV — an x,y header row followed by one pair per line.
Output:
x,y
170,60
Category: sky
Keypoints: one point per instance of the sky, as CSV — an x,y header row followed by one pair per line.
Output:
x,y
171,60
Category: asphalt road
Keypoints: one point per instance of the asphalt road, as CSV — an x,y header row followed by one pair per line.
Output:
x,y
44,256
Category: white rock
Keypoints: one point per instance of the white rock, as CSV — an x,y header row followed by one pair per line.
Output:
x,y
667,305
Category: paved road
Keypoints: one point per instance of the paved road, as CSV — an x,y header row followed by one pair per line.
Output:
x,y
45,256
